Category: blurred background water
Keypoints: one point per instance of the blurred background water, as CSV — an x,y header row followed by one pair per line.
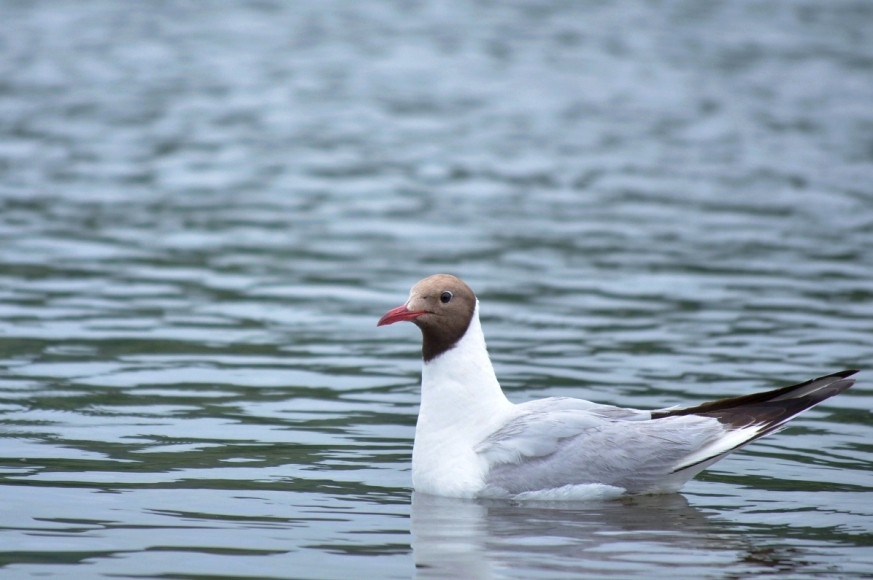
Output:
x,y
204,209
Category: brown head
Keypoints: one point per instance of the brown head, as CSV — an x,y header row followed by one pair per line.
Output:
x,y
442,307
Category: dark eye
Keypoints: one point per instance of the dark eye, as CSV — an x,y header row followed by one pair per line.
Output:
x,y
446,297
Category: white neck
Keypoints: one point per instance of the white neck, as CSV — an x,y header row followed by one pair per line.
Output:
x,y
460,385
461,404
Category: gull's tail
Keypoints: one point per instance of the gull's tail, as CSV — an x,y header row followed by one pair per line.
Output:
x,y
752,416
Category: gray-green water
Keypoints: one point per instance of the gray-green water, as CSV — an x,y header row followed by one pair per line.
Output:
x,y
204,211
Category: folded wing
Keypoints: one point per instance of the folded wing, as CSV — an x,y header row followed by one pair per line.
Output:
x,y
557,442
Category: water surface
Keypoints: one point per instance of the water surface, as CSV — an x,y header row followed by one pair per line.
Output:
x,y
204,213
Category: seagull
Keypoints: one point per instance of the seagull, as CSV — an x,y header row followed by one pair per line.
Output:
x,y
471,441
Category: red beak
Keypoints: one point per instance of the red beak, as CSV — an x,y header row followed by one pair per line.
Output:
x,y
398,314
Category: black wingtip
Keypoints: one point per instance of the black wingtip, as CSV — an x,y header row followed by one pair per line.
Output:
x,y
769,411
758,398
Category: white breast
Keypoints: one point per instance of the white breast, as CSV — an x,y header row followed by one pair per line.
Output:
x,y
461,404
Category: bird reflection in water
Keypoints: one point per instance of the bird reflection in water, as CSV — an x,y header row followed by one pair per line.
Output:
x,y
651,536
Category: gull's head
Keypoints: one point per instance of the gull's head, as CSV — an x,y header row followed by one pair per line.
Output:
x,y
442,306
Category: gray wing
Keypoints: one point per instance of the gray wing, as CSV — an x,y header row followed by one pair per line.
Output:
x,y
557,442
544,425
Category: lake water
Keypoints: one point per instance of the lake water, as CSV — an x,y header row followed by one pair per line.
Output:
x,y
205,210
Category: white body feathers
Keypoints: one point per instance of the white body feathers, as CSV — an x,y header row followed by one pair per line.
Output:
x,y
461,405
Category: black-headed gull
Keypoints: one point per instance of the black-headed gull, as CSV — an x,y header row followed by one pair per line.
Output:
x,y
470,441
